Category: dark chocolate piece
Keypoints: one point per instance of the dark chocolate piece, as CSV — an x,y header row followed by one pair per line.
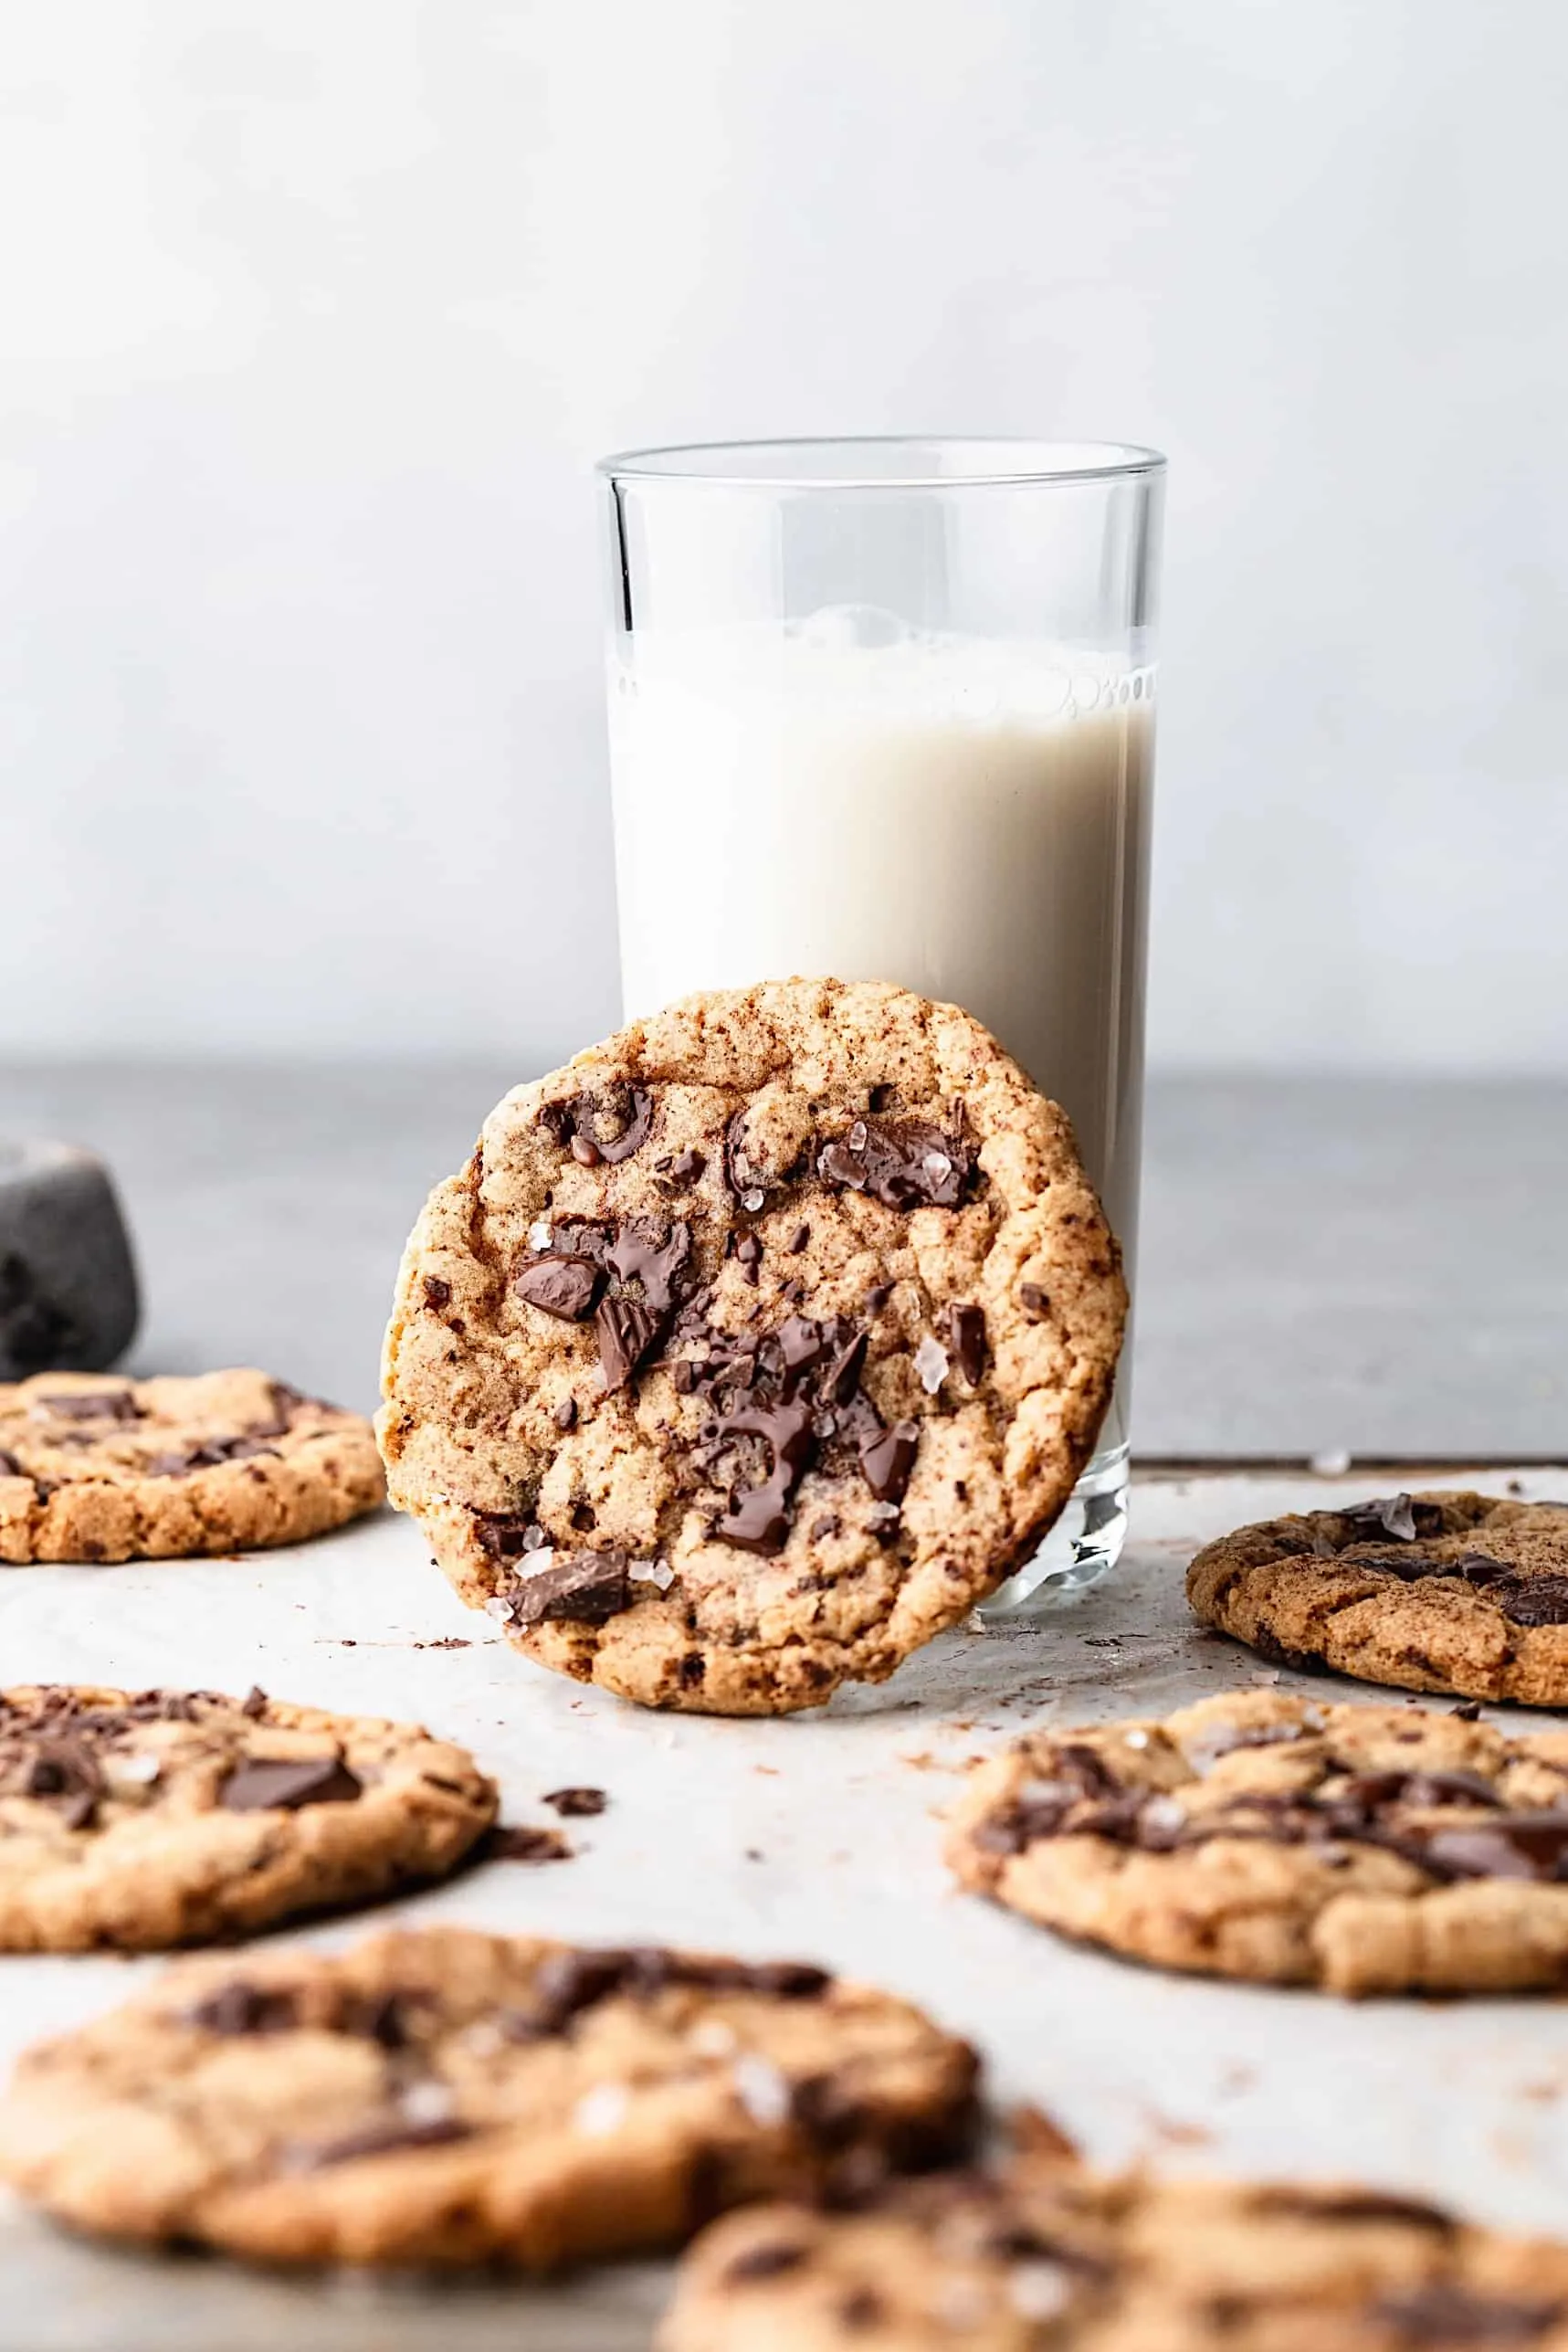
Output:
x,y
966,1337
503,1534
1034,1302
1442,2313
565,1414
94,1405
374,2139
888,1459
438,1293
654,1256
628,1332
766,2261
239,2009
904,1164
1532,1601
286,1783
758,1519
518,1842
577,1587
566,1288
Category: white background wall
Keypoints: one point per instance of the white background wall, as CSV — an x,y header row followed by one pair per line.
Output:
x,y
313,313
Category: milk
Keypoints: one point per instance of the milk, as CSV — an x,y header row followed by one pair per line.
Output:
x,y
969,819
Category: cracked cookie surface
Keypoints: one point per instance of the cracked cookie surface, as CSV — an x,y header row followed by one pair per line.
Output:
x,y
98,1469
1053,2257
139,1820
446,2097
1443,1591
1361,1849
755,1348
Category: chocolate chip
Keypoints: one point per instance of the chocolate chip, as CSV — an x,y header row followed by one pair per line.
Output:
x,y
626,1330
566,1413
1443,2312
888,1459
758,1519
254,1703
585,1151
1515,1845
764,2261
577,1587
376,2139
502,1534
1389,1515
239,2009
966,1337
438,1293
94,1405
509,1842
265,1784
654,1256
574,1804
904,1164
1036,1302
1532,1601
563,1287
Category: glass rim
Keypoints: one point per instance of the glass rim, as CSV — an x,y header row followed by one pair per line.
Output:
x,y
975,461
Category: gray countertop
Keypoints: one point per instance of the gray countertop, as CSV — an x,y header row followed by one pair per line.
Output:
x,y
1378,1266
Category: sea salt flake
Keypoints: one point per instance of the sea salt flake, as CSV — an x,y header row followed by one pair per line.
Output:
x,y
601,2111
502,1611
713,2038
761,2090
930,1363
1135,1739
139,1769
651,1572
1164,1813
752,1200
937,1166
539,1234
1333,1461
1038,2290
427,2103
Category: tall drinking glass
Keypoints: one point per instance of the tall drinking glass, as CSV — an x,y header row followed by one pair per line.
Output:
x,y
884,709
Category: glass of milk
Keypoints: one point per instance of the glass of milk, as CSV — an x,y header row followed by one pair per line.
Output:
x,y
884,709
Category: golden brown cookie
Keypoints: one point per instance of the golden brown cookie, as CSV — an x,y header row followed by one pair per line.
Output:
x,y
1430,1592
1049,2258
1361,1849
94,1468
141,1820
753,1348
446,2097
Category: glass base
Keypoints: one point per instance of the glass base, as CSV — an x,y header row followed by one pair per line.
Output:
x,y
1085,1543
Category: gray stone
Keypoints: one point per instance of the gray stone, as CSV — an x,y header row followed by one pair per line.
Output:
x,y
67,1281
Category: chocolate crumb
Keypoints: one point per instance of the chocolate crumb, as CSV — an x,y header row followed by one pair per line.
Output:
x,y
514,1843
1034,1300
438,1293
574,1804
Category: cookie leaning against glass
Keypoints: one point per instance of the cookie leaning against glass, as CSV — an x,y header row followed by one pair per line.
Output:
x,y
755,1348
1286,1840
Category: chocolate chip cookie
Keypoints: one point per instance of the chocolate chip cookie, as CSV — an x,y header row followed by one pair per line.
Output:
x,y
753,1348
1431,1592
1361,1849
94,1468
446,2097
140,1819
1050,2255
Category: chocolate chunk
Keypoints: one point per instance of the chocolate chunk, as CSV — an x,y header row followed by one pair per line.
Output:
x,y
797,1241
862,2307
238,2008
1397,1515
652,1255
572,1981
1442,2312
1468,1712
254,1703
888,1459
803,1344
633,1135
376,2139
966,1337
1034,1302
758,1519
504,1534
1532,1601
904,1164
748,1253
95,1405
9,1465
61,1773
844,1372
438,1293
586,1152
565,1415
684,1376
509,1842
628,1332
685,1168
265,1784
764,2261
566,1288
1515,1845
877,1297
574,1804
1354,2205
576,1587
692,1672
829,1524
